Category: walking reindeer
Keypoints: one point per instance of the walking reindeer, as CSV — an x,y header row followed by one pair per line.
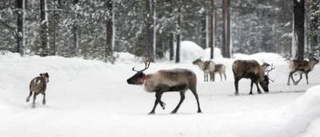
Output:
x,y
301,67
179,80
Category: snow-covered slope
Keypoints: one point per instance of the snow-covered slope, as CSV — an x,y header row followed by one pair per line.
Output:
x,y
92,98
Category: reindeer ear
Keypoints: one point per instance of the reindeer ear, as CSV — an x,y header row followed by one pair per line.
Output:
x,y
46,74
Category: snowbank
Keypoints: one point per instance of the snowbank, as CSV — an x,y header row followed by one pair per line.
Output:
x,y
262,57
189,51
304,118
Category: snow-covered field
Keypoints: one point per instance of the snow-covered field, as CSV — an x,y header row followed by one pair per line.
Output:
x,y
91,98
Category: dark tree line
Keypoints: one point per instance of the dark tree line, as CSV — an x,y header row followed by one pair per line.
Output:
x,y
154,28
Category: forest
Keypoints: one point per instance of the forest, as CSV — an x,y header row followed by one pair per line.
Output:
x,y
98,29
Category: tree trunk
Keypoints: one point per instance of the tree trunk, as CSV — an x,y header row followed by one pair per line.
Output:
x,y
212,29
314,26
149,31
21,26
44,27
298,11
109,27
171,46
75,32
178,36
55,28
154,27
226,29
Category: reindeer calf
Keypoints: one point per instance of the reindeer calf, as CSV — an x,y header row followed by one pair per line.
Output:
x,y
301,67
221,69
38,85
208,68
252,70
179,80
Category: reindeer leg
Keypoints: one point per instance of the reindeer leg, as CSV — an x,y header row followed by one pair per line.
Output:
x,y
34,100
213,76
251,85
258,89
28,98
297,82
236,83
182,97
44,99
194,91
225,76
307,78
290,74
158,99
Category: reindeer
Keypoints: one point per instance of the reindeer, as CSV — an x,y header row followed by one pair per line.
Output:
x,y
252,70
38,85
208,68
301,67
179,80
221,69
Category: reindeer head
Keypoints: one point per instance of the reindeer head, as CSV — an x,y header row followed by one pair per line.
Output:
x,y
265,82
139,77
45,76
196,61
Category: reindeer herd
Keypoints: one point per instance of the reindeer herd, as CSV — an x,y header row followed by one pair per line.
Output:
x,y
181,80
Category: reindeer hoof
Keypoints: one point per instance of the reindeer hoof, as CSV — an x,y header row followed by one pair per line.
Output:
x,y
163,105
174,112
27,100
151,113
236,93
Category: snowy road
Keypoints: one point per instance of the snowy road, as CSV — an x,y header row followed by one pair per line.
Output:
x,y
90,98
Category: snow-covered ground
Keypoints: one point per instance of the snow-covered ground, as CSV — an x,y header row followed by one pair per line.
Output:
x,y
91,98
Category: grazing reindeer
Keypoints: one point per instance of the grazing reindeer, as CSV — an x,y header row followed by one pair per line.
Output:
x,y
38,85
165,81
208,67
301,67
252,70
221,69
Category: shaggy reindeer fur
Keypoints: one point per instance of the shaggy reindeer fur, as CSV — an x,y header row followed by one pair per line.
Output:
x,y
252,70
179,80
301,67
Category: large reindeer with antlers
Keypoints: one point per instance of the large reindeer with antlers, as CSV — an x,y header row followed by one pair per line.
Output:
x,y
179,80
252,70
301,67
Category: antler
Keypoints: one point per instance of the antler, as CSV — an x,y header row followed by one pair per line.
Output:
x,y
272,68
146,63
